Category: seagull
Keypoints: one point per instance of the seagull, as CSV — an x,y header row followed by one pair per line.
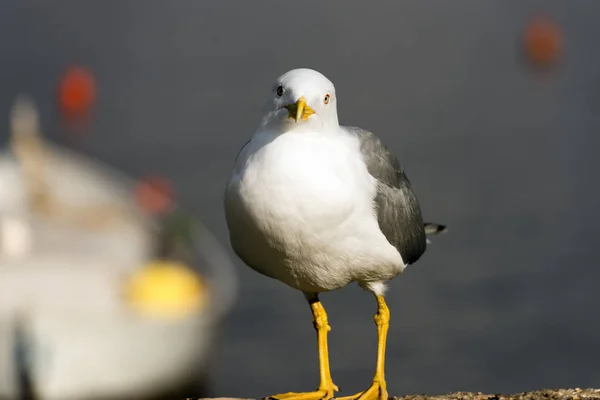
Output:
x,y
317,206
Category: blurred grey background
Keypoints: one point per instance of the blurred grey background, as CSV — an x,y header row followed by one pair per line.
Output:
x,y
506,301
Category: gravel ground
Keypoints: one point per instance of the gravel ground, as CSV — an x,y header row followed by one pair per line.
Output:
x,y
546,394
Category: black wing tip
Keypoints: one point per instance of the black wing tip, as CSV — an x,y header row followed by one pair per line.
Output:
x,y
434,229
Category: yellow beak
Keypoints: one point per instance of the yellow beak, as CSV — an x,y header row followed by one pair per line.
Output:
x,y
300,110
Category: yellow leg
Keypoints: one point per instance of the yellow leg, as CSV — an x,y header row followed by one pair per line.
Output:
x,y
327,387
378,389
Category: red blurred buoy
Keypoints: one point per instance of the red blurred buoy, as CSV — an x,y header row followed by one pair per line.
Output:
x,y
543,41
76,92
154,194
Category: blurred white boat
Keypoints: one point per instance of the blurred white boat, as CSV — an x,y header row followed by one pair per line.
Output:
x,y
98,299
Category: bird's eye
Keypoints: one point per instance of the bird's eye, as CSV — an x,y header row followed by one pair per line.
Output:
x,y
280,91
326,99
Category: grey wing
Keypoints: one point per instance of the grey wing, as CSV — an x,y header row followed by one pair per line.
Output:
x,y
397,206
242,149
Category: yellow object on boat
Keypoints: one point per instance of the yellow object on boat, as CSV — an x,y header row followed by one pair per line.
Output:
x,y
166,289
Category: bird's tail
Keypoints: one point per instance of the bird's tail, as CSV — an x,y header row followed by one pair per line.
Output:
x,y
434,229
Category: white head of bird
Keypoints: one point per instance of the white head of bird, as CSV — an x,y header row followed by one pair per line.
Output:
x,y
300,99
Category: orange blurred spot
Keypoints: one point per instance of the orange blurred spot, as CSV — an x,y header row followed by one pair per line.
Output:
x,y
76,92
154,194
543,41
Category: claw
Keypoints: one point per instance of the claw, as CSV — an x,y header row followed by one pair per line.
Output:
x,y
322,394
377,391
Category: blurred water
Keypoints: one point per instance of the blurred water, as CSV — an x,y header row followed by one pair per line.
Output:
x,y
505,302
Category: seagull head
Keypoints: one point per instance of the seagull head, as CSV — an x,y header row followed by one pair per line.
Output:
x,y
301,98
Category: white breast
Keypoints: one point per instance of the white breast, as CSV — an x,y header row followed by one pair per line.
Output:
x,y
300,209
